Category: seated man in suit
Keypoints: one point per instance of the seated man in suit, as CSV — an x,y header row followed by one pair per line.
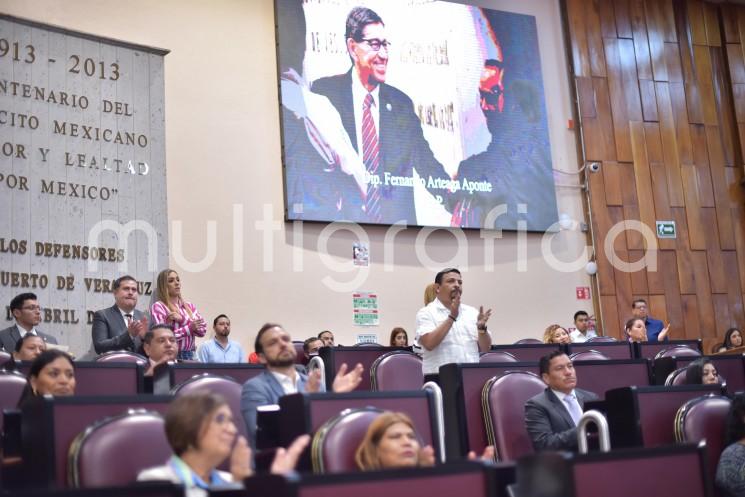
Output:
x,y
277,352
159,345
121,326
551,417
27,313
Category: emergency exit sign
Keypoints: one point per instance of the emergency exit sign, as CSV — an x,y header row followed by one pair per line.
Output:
x,y
666,229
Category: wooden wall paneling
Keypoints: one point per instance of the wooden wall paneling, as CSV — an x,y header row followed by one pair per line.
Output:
x,y
578,34
729,23
649,99
701,161
682,129
658,308
692,94
653,142
656,37
693,208
661,203
607,18
683,258
740,22
642,176
735,62
696,21
641,43
660,20
734,290
717,276
672,63
604,118
705,83
690,316
639,283
594,39
630,76
623,18
671,158
711,23
738,92
602,223
725,106
586,97
620,243
611,321
738,215
624,296
735,194
722,316
667,265
619,109
630,207
656,278
703,293
721,193
612,182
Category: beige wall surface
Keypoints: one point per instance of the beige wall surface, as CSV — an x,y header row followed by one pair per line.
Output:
x,y
228,239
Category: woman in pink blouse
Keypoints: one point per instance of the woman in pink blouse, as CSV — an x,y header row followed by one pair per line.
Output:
x,y
181,315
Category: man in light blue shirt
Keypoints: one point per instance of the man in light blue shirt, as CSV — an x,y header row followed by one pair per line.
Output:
x,y
220,349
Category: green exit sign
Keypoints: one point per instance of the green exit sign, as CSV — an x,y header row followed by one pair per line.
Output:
x,y
666,229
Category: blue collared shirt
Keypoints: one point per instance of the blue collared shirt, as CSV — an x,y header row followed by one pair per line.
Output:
x,y
213,351
654,327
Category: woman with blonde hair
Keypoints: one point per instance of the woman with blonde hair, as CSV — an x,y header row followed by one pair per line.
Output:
x,y
556,334
182,316
429,293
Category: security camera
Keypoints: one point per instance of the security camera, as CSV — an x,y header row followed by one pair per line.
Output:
x,y
594,167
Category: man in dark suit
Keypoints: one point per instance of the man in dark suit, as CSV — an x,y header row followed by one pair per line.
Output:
x,y
27,313
277,352
551,417
382,126
121,326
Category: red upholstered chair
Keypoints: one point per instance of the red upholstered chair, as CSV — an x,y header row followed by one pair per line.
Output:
x,y
114,450
335,443
4,357
589,355
121,356
678,351
223,385
12,384
704,418
497,356
523,341
601,339
300,353
677,377
397,370
503,401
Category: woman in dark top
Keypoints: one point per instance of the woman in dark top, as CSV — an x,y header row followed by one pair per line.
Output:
x,y
730,478
732,338
51,373
702,372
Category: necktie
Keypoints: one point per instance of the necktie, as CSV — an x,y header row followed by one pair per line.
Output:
x,y
128,318
575,411
370,152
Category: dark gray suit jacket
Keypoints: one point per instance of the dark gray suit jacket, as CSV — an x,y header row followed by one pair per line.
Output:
x,y
109,331
548,422
9,337
262,390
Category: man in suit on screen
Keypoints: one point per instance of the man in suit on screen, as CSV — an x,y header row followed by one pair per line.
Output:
x,y
382,125
551,417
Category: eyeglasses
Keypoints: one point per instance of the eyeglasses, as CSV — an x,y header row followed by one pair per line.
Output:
x,y
31,308
376,44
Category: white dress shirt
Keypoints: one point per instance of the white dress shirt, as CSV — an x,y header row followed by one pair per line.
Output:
x,y
289,385
23,331
461,343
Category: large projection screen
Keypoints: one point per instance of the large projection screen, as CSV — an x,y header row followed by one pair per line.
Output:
x,y
424,113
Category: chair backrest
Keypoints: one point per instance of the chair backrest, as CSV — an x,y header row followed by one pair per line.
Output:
x,y
601,376
333,357
677,377
524,341
613,350
704,418
497,356
227,387
678,351
397,370
12,384
121,356
335,443
589,355
4,357
601,339
503,401
299,353
96,457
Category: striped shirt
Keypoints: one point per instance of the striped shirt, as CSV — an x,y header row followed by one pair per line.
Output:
x,y
184,336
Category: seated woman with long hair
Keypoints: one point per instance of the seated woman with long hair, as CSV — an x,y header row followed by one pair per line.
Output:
x,y
392,442
635,330
51,373
201,431
730,477
556,334
702,372
399,337
732,339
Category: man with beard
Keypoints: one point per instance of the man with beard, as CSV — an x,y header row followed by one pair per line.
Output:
x,y
449,331
277,352
220,349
